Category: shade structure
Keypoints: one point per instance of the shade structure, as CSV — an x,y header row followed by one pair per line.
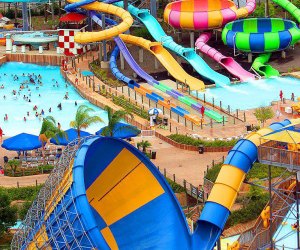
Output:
x,y
122,131
72,17
155,111
71,135
287,136
22,142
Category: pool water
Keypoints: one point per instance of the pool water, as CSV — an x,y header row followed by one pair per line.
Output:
x,y
50,96
253,94
284,235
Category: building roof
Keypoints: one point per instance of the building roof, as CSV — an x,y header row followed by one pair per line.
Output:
x,y
72,17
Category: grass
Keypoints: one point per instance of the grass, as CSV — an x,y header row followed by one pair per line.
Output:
x,y
22,193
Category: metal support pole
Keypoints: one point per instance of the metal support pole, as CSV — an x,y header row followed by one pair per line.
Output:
x,y
270,197
25,16
297,207
104,41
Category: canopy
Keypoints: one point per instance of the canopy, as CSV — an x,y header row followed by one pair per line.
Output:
x,y
287,136
122,131
71,135
22,142
87,73
154,111
72,17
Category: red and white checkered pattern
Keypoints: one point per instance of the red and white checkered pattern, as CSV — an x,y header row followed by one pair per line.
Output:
x,y
67,44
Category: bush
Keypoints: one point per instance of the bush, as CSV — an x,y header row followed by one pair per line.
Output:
x,y
213,172
24,209
22,193
187,140
142,32
257,200
175,187
8,214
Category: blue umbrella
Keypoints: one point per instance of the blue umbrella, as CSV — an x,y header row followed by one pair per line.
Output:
x,y
122,131
22,142
154,111
71,135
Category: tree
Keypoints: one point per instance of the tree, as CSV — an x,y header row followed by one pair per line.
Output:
x,y
113,119
49,130
14,164
83,119
263,114
144,145
8,214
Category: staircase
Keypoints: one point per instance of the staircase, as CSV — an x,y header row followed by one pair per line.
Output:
x,y
258,236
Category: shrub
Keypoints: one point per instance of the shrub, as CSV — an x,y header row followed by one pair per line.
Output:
x,y
142,32
175,187
8,214
22,193
187,140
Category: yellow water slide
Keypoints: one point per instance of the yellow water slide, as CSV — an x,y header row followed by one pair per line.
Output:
x,y
96,36
166,59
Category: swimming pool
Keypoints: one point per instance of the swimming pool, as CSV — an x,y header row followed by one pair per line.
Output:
x,y
284,235
253,94
51,94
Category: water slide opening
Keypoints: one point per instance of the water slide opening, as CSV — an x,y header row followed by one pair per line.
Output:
x,y
227,60
156,48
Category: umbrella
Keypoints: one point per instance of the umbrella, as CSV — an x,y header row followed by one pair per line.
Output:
x,y
71,135
154,111
122,131
22,142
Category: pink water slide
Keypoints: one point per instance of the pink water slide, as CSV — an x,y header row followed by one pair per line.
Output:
x,y
227,62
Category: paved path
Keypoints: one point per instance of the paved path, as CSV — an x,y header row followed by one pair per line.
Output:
x,y
23,181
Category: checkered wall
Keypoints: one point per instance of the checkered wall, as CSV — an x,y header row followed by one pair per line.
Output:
x,y
67,44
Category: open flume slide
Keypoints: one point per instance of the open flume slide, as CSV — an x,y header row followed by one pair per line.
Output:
x,y
260,65
187,54
226,62
166,60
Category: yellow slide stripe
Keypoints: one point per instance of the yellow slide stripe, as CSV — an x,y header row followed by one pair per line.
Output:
x,y
124,186
109,238
228,182
39,240
88,37
116,171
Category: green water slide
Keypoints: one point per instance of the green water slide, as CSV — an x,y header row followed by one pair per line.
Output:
x,y
289,7
260,66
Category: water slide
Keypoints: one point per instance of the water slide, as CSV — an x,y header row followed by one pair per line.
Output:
x,y
209,15
260,66
226,62
166,59
188,54
289,7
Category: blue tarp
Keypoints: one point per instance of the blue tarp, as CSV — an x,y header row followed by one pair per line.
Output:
x,y
122,131
22,142
71,135
87,73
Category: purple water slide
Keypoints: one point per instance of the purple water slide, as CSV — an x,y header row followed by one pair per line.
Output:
x,y
227,62
177,93
133,64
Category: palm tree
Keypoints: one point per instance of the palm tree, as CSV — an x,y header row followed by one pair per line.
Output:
x,y
83,119
50,130
144,145
113,119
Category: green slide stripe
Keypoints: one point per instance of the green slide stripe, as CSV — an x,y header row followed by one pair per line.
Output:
x,y
274,41
250,27
243,41
277,25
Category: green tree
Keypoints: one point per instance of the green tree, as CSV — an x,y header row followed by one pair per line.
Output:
x,y
263,114
144,145
83,118
113,119
24,209
49,130
8,214
260,10
14,164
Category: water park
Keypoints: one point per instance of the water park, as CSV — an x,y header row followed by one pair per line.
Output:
x,y
150,124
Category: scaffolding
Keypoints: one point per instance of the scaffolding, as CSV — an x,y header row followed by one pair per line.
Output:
x,y
49,221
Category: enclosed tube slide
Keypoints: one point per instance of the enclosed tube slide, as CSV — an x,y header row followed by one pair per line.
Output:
x,y
289,7
227,62
166,60
187,54
260,66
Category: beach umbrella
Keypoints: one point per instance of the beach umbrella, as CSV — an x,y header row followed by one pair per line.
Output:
x,y
71,135
154,111
122,131
22,142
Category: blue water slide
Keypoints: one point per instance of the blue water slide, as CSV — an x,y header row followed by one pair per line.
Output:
x,y
188,54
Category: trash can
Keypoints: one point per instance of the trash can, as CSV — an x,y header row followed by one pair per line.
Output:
x,y
248,127
201,149
153,154
165,121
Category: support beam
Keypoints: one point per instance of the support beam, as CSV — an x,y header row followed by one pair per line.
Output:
x,y
104,41
141,55
153,8
192,39
250,59
122,61
25,16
